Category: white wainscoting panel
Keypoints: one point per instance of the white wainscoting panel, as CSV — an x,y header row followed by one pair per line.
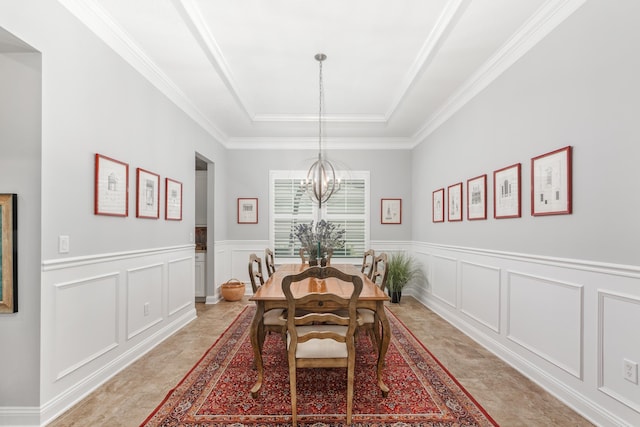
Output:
x,y
181,271
619,340
144,298
545,317
92,302
444,279
480,294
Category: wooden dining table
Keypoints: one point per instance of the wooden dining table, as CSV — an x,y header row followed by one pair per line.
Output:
x,y
270,296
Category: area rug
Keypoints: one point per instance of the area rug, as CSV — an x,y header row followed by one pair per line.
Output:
x,y
216,391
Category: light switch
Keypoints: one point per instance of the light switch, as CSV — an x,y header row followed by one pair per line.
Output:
x,y
63,244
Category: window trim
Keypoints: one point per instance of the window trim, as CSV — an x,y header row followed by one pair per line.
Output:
x,y
302,174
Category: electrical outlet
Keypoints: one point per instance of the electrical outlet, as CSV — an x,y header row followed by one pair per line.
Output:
x,y
630,371
146,308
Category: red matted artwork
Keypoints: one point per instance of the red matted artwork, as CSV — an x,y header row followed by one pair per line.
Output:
x,y
551,183
437,205
247,211
506,192
111,187
148,191
391,211
454,201
173,200
477,198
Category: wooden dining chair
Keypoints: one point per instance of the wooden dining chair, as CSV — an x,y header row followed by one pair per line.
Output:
x,y
303,256
273,320
321,338
368,259
368,319
269,261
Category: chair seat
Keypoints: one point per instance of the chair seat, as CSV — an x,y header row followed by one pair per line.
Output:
x,y
365,316
275,317
320,348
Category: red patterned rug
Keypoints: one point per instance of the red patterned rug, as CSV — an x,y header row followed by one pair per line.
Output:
x,y
215,392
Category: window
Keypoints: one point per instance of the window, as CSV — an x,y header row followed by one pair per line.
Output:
x,y
349,208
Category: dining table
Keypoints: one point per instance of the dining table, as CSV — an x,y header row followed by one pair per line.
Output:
x,y
270,296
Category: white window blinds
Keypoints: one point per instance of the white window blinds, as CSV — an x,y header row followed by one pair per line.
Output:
x,y
348,208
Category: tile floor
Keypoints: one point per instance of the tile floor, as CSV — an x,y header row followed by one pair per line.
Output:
x,y
510,398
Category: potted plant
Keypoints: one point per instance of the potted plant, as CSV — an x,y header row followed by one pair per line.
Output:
x,y
402,270
318,239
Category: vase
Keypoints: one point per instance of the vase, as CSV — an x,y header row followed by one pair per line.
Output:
x,y
313,261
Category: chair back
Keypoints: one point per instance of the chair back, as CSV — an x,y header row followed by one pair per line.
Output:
x,y
269,261
255,272
368,259
303,256
379,271
323,308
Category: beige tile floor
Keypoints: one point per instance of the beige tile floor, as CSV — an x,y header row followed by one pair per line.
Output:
x,y
510,398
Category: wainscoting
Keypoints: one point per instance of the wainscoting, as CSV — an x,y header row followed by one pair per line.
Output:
x,y
100,313
569,325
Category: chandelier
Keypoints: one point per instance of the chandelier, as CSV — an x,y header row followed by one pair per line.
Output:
x,y
321,182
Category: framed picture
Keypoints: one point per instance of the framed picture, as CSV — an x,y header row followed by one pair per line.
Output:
x,y
8,253
477,198
454,200
111,193
173,200
506,192
437,205
391,211
551,183
148,190
247,211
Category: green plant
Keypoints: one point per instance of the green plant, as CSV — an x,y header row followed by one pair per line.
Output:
x,y
403,270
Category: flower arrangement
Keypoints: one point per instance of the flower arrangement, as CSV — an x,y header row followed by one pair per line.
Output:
x,y
319,238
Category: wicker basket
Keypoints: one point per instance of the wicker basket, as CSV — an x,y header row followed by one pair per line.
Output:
x,y
232,290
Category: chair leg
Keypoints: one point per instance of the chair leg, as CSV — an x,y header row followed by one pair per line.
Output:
x,y
292,388
350,379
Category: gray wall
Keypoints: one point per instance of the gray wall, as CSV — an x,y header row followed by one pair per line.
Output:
x,y
579,87
389,174
20,173
91,101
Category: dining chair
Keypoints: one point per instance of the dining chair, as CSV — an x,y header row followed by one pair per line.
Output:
x,y
368,319
321,338
303,256
269,261
273,320
368,259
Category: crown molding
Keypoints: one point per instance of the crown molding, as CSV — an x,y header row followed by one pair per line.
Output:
x,y
548,17
311,143
326,118
94,17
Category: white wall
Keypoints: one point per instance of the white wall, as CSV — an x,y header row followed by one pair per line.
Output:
x,y
556,296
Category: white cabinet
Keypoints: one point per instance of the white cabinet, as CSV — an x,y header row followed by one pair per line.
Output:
x,y
201,273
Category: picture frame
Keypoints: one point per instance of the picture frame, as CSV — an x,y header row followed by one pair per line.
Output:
x,y
391,211
477,198
437,205
454,202
507,192
172,200
148,194
247,210
111,187
8,253
551,183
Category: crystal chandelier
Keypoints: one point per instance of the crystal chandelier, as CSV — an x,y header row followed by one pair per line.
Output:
x,y
321,182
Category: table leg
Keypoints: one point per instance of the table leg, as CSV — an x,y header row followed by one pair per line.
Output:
x,y
383,345
256,332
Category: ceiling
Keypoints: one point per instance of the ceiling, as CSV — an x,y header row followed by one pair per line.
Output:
x,y
395,70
